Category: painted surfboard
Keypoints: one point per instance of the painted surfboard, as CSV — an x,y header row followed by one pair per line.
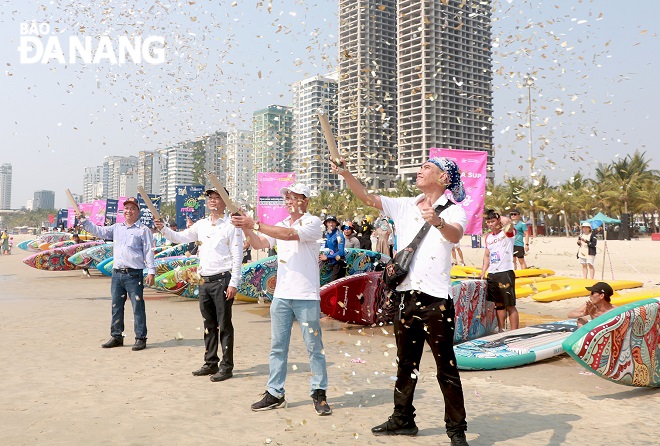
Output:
x,y
57,259
622,345
23,245
167,264
105,267
577,289
177,281
62,244
515,347
258,280
357,261
176,250
92,256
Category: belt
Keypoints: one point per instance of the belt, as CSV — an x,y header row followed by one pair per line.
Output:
x,y
216,277
125,270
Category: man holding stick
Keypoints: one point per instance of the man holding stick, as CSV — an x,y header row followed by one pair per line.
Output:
x,y
426,310
220,253
132,253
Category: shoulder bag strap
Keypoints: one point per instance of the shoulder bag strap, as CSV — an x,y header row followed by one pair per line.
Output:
x,y
424,229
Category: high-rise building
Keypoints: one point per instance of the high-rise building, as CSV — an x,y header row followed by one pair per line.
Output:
x,y
5,186
444,95
272,139
176,169
113,168
367,106
311,150
43,199
148,171
239,180
93,183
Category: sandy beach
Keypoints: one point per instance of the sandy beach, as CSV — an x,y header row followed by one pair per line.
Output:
x,y
60,387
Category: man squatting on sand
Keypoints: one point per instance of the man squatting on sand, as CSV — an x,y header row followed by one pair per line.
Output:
x,y
132,253
296,295
427,308
220,254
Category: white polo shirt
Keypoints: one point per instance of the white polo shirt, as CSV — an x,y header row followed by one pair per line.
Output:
x,y
298,274
431,265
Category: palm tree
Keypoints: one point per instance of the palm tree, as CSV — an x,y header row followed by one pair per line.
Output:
x,y
625,179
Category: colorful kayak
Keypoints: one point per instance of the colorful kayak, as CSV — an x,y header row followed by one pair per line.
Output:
x,y
577,289
515,347
622,345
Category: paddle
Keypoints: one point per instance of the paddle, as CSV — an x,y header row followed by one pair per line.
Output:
x,y
72,201
149,203
335,157
233,209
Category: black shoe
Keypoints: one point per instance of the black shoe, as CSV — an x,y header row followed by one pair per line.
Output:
x,y
391,427
140,344
320,404
114,342
221,376
206,369
458,439
267,402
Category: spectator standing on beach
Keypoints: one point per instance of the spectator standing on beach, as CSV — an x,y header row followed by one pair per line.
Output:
x,y
333,253
296,296
521,240
426,306
457,253
382,233
498,262
132,253
587,241
349,235
598,303
4,238
220,254
364,234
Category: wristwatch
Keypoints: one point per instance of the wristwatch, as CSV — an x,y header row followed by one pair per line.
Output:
x,y
440,225
256,225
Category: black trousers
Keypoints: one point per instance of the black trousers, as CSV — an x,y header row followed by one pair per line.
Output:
x,y
216,311
427,318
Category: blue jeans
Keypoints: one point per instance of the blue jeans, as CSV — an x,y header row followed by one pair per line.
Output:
x,y
130,284
282,314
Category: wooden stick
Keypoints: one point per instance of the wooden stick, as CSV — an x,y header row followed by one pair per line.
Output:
x,y
329,137
149,203
72,201
221,190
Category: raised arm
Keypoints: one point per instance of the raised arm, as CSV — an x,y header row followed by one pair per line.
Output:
x,y
358,189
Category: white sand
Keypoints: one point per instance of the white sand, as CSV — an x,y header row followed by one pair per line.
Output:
x,y
60,387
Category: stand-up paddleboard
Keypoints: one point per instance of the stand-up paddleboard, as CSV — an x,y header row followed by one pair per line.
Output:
x,y
538,279
178,281
92,256
515,347
622,345
577,289
57,259
258,280
634,296
475,317
357,261
352,299
105,267
474,272
167,264
23,245
534,288
61,244
33,246
172,251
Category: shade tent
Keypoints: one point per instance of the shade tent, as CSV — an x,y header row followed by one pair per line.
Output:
x,y
600,218
596,221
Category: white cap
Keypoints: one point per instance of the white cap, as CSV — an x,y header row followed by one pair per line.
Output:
x,y
586,224
296,188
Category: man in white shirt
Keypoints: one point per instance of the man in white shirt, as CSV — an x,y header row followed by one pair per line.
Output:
x,y
296,295
498,262
220,254
426,310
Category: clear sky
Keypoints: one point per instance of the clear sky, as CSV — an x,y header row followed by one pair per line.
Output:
x,y
594,94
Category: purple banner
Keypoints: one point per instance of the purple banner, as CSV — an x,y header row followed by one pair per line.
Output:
x,y
472,165
270,204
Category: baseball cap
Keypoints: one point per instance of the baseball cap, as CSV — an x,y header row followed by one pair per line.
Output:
x,y
296,188
330,218
585,224
601,287
207,192
132,200
514,211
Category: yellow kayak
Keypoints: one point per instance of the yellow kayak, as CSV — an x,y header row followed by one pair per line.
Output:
x,y
577,289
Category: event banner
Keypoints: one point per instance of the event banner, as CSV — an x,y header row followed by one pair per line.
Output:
x,y
146,217
189,204
270,204
97,214
110,211
62,217
120,210
84,207
472,165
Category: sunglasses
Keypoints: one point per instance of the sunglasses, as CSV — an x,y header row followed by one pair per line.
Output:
x,y
513,213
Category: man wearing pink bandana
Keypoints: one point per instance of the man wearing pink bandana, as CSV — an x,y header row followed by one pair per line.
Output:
x,y
426,306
